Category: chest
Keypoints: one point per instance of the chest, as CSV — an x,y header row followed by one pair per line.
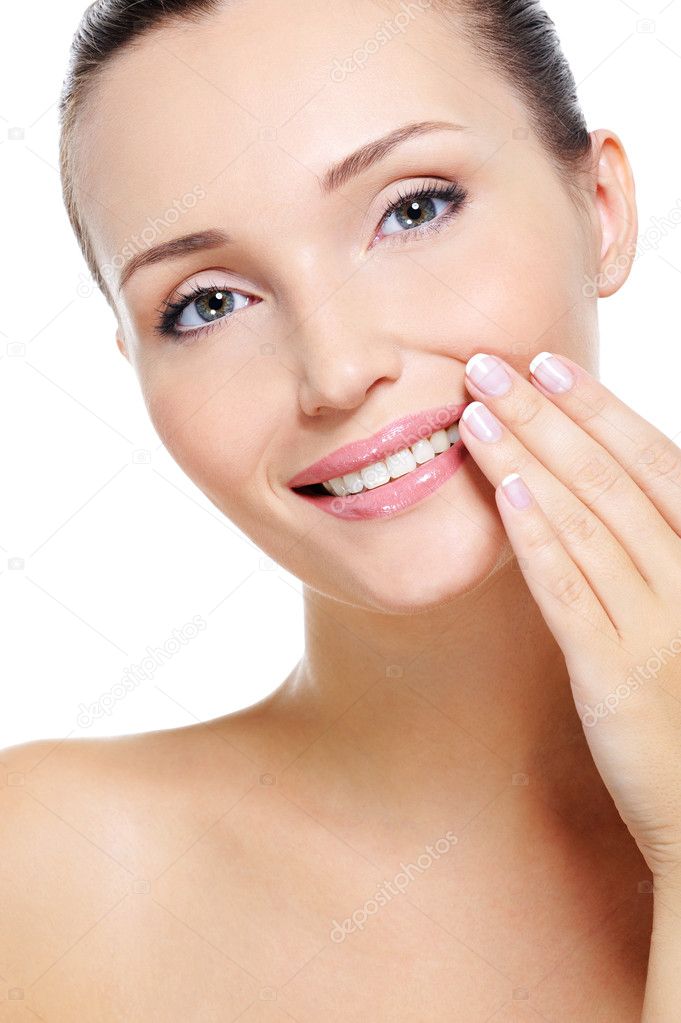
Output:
x,y
269,953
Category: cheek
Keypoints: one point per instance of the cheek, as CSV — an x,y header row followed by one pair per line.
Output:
x,y
502,301
203,427
512,289
218,421
528,292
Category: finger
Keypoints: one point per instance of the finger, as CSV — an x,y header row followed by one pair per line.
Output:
x,y
612,575
563,594
652,460
590,472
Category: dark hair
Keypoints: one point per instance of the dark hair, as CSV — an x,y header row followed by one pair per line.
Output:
x,y
518,39
515,38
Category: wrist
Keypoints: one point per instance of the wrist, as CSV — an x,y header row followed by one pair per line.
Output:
x,y
667,889
663,982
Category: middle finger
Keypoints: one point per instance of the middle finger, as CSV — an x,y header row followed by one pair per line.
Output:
x,y
539,441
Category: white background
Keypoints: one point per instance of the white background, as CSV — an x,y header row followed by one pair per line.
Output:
x,y
102,555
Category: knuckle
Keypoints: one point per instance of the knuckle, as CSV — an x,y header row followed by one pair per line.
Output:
x,y
539,540
569,589
595,476
527,408
589,406
661,460
577,526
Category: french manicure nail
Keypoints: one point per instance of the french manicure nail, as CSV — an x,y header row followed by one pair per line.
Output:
x,y
481,422
489,375
553,374
516,491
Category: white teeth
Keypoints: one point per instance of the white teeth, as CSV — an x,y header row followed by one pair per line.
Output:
x,y
400,463
394,466
440,442
353,481
374,475
338,487
423,451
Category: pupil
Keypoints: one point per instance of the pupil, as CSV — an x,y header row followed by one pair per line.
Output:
x,y
416,211
212,304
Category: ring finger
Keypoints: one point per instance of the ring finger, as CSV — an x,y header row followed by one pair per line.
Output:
x,y
605,563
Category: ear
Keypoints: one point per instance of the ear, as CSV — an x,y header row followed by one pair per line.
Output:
x,y
121,345
615,197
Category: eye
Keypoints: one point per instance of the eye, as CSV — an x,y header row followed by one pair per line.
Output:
x,y
423,209
196,311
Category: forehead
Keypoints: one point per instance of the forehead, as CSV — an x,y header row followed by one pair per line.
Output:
x,y
254,100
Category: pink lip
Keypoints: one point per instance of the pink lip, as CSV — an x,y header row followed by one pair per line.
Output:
x,y
397,435
398,495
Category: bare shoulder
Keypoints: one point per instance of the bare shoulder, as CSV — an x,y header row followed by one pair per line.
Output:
x,y
85,822
43,853
129,800
119,794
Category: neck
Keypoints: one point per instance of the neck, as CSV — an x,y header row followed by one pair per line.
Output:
x,y
486,659
482,674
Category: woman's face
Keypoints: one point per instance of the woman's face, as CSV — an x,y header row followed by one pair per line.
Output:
x,y
328,319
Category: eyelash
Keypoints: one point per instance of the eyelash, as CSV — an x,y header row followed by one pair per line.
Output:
x,y
170,312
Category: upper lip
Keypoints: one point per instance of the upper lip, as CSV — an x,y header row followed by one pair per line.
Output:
x,y
401,433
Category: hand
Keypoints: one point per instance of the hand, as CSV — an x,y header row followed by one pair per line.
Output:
x,y
599,545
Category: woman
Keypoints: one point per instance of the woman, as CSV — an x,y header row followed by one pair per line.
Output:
x,y
325,231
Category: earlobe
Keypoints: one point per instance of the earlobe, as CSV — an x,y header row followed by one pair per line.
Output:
x,y
121,346
617,214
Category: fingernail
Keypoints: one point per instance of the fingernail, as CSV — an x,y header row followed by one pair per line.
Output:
x,y
516,491
481,422
489,375
552,373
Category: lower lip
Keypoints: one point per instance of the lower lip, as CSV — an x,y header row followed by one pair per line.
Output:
x,y
391,498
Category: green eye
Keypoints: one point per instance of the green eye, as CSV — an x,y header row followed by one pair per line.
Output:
x,y
419,207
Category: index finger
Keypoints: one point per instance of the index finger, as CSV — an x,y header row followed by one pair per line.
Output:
x,y
650,457
585,436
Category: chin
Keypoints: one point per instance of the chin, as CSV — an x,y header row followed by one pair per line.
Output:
x,y
418,562
432,582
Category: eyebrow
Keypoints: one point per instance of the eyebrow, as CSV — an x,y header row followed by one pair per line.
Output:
x,y
335,176
367,155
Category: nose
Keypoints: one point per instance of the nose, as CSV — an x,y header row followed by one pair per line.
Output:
x,y
339,363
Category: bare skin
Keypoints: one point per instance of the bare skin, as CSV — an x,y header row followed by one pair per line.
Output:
x,y
199,873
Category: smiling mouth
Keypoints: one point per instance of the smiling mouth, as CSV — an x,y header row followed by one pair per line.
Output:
x,y
377,474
